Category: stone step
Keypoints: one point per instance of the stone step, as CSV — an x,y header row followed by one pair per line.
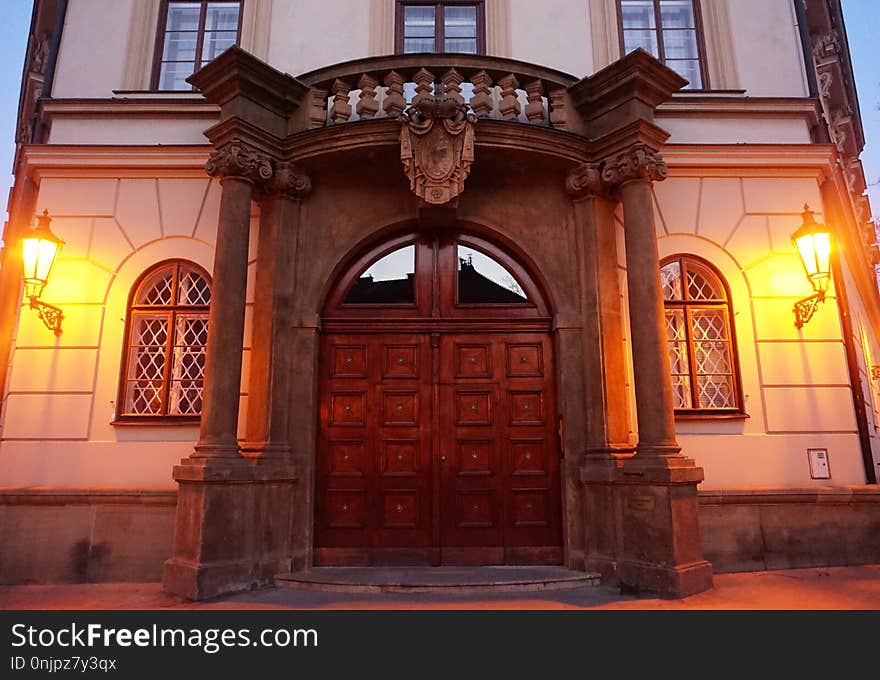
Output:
x,y
450,580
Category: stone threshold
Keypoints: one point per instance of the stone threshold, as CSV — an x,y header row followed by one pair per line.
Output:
x,y
451,580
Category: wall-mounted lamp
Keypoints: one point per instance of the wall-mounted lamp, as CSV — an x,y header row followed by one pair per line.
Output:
x,y
813,241
38,251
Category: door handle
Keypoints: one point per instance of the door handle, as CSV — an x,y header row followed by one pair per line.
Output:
x,y
442,459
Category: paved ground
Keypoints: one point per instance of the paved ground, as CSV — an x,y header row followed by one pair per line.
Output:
x,y
824,588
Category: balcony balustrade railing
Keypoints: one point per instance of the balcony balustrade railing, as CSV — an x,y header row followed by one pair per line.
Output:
x,y
383,87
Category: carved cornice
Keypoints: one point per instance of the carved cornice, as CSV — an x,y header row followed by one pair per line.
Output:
x,y
639,162
241,161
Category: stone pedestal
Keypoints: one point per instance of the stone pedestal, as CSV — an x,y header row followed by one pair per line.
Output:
x,y
233,528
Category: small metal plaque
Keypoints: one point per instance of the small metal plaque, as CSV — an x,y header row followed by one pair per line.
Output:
x,y
641,503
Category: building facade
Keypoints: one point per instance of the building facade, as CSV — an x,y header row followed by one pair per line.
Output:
x,y
446,282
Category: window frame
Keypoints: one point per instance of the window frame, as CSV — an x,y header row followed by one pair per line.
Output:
x,y
163,418
737,411
658,29
439,23
161,30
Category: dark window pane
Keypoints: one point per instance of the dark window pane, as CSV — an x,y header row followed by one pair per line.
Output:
x,y
180,46
389,280
418,45
690,70
221,16
680,44
183,16
460,22
638,14
173,75
418,22
647,40
482,280
464,45
215,44
677,14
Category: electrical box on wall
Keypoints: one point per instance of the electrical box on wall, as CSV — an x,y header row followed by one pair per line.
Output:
x,y
819,467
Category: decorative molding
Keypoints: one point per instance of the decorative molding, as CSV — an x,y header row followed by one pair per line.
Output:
x,y
437,147
498,38
381,27
605,34
138,65
238,160
640,162
720,45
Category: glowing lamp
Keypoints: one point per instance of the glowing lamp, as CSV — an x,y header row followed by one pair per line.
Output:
x,y
38,251
813,242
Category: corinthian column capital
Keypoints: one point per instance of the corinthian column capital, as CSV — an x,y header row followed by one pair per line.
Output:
x,y
639,162
287,180
585,181
240,160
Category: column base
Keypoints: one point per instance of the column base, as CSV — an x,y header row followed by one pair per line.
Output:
x,y
642,525
201,581
232,530
670,582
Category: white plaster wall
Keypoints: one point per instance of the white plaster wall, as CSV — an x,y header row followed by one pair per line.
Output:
x,y
310,34
129,130
554,33
61,396
768,51
795,382
733,130
92,51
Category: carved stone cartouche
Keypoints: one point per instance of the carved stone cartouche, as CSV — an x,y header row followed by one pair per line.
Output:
x,y
437,147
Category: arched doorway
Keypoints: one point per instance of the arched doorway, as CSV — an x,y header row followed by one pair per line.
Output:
x,y
438,439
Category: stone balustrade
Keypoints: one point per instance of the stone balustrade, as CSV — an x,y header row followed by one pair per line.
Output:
x,y
384,87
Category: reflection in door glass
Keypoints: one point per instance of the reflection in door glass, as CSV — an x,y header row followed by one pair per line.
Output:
x,y
481,280
389,280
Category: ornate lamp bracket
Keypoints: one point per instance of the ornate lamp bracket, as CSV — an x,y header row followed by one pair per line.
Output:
x,y
806,308
50,315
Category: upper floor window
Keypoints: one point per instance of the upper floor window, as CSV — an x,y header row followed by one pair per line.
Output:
x,y
450,26
699,327
668,29
190,35
166,335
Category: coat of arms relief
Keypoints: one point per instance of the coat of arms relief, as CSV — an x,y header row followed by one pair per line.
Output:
x,y
437,147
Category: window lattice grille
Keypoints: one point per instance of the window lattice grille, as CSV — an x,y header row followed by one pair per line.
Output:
x,y
168,333
698,330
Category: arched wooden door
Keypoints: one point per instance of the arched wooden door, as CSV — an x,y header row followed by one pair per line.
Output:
x,y
438,439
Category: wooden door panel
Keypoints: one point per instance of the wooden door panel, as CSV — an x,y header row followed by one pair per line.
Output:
x,y
454,450
374,484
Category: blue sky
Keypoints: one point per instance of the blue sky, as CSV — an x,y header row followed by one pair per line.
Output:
x,y
863,28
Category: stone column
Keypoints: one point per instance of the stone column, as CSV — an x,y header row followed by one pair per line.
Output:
x,y
633,172
606,403
238,168
233,516
271,364
655,492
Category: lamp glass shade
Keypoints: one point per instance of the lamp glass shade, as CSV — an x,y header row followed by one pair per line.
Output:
x,y
813,241
38,251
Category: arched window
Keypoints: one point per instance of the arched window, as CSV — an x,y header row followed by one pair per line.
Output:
x,y
166,333
699,326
